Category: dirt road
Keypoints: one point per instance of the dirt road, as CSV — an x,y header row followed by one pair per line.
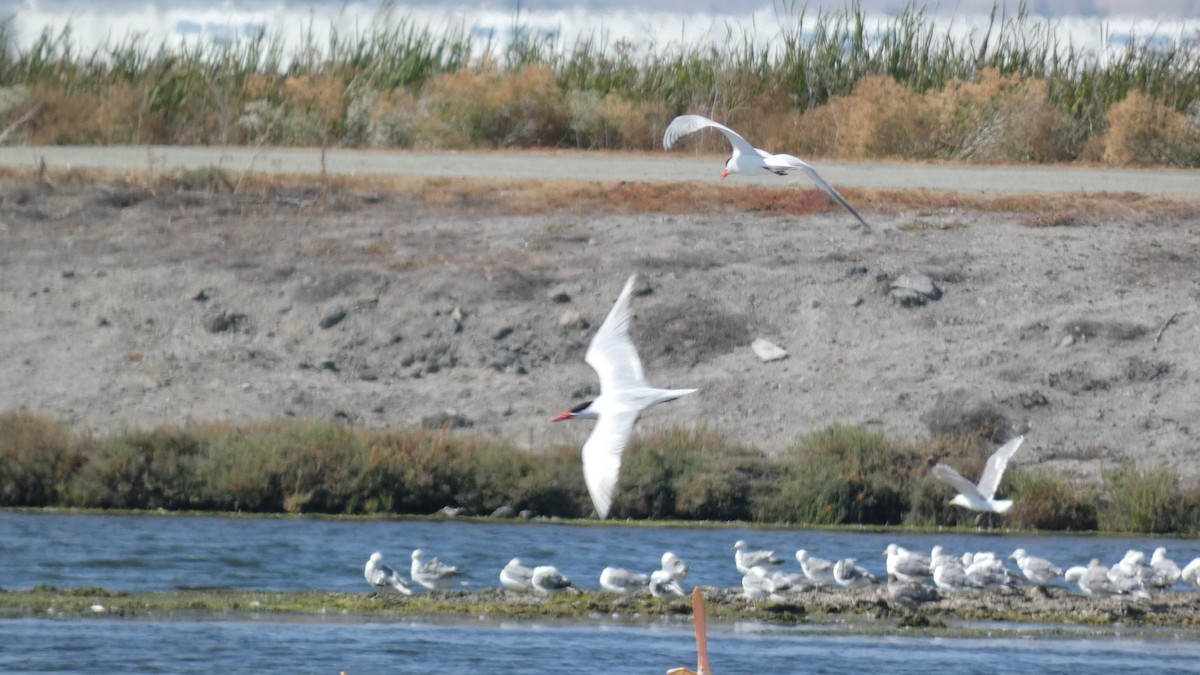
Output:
x,y
553,165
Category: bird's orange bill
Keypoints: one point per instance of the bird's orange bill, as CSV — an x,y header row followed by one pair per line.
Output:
x,y
700,618
562,416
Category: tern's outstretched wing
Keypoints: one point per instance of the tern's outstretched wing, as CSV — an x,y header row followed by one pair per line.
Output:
x,y
788,162
954,479
689,124
612,354
994,471
602,456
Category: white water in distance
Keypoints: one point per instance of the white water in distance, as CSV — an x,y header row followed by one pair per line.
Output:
x,y
1097,26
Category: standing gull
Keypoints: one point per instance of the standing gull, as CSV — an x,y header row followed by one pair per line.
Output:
x,y
379,574
1167,572
1191,572
516,576
672,564
818,570
749,160
744,559
981,497
905,565
1038,570
664,585
432,573
624,394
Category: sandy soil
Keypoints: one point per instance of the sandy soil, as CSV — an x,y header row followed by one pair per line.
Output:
x,y
127,307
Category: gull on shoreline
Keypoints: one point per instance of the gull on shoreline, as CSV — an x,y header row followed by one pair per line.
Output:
x,y
383,576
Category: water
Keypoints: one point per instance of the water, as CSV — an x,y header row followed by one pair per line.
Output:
x,y
107,646
156,553
146,552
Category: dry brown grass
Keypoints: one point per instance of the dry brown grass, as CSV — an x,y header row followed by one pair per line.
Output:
x,y
1142,131
488,108
995,118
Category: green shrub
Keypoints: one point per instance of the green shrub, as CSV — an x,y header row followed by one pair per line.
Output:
x,y
1043,501
1147,500
686,474
37,458
843,475
140,470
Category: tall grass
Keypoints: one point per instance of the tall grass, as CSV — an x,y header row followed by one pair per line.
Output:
x,y
835,476
834,84
1149,500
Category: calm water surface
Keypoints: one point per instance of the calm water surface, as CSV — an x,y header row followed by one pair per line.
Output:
x,y
140,553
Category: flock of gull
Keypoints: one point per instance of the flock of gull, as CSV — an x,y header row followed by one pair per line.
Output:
x,y
764,580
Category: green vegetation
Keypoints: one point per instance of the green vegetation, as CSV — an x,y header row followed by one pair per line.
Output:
x,y
831,85
836,476
833,608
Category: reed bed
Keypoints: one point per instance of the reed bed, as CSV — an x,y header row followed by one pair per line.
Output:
x,y
834,84
835,476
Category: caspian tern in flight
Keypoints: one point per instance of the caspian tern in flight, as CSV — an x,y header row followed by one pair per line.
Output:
x,y
749,160
981,497
624,394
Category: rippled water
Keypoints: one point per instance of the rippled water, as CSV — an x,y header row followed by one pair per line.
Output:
x,y
137,553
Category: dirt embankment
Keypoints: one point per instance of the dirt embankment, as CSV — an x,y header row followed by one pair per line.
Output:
x,y
128,306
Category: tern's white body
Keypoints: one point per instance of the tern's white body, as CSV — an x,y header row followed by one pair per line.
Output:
x,y
379,574
981,497
624,394
751,161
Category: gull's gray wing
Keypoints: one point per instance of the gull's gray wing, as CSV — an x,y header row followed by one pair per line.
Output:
x,y
946,474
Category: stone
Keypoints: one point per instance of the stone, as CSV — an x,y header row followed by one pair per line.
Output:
x,y
768,351
914,289
505,511
572,319
332,316
222,321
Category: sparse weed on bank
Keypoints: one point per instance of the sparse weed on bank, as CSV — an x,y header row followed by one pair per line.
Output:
x,y
833,84
835,476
